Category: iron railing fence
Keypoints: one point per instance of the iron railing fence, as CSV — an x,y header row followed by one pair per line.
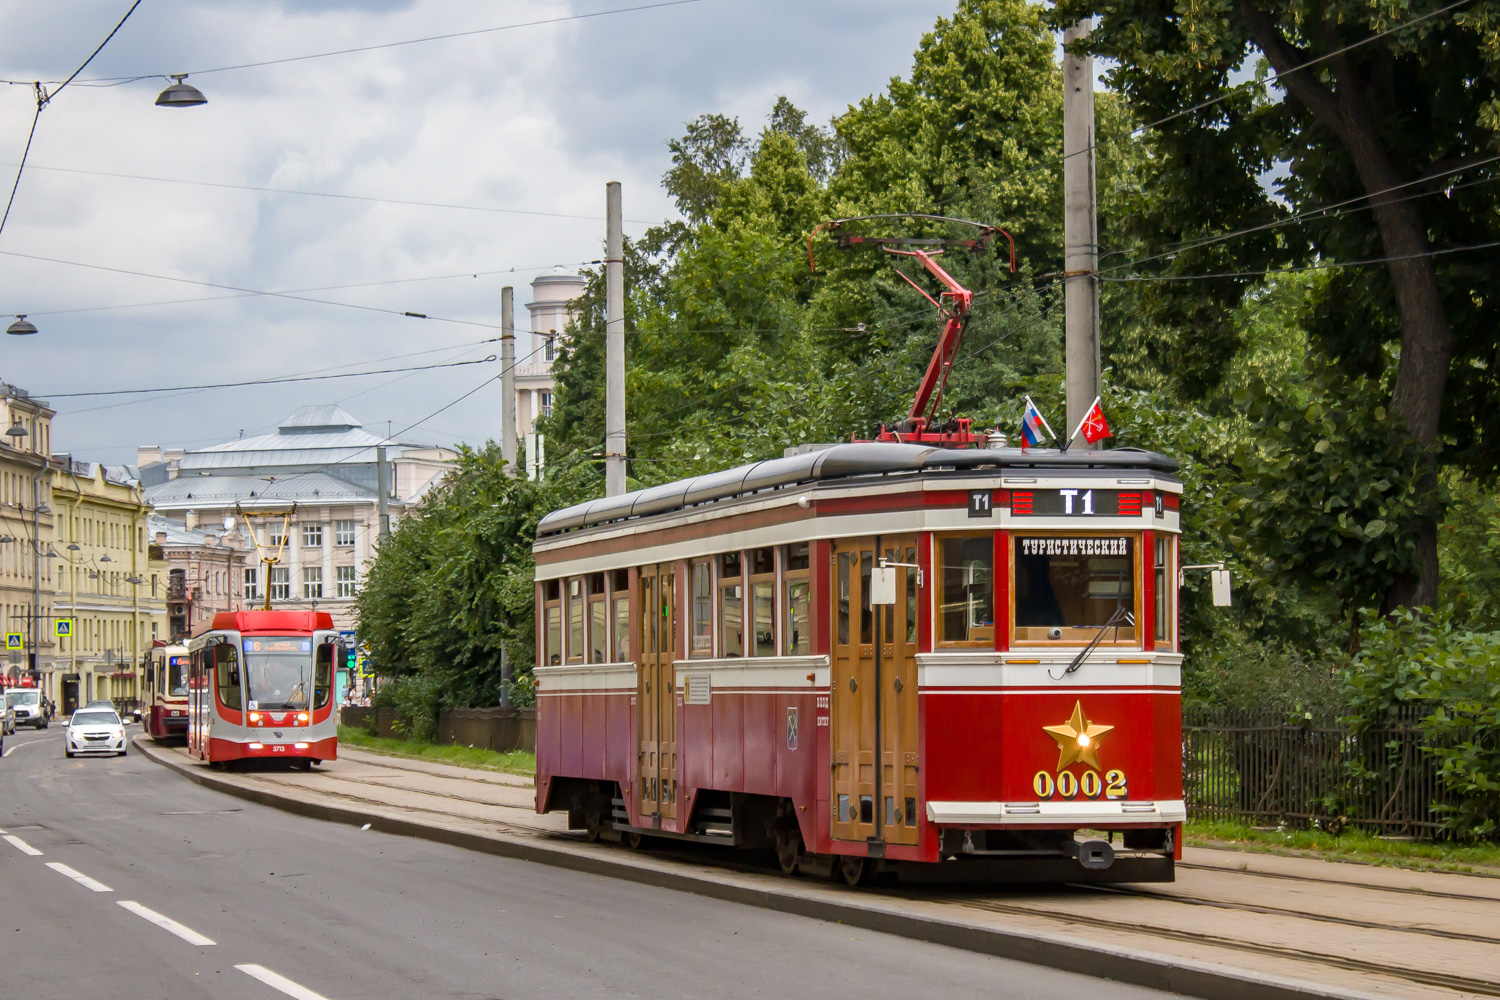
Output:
x,y
1305,769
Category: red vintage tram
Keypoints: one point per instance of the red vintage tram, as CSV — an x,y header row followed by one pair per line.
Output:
x,y
873,656
260,686
164,705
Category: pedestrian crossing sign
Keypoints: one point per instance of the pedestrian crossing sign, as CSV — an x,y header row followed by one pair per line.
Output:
x,y
62,628
14,640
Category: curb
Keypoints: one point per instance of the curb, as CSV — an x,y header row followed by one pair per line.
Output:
x,y
1123,965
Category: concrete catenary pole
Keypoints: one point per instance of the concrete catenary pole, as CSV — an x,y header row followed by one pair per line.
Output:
x,y
508,378
1080,231
382,493
614,344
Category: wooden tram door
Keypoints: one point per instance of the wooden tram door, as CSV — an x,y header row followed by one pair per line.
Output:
x,y
656,694
874,695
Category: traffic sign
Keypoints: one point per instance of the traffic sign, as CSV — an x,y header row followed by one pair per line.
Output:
x,y
62,628
15,640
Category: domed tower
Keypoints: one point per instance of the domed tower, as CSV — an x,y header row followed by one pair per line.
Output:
x,y
551,310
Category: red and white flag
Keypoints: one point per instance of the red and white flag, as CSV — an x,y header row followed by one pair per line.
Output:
x,y
1093,426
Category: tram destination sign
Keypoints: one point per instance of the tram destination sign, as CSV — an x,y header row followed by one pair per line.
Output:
x,y
1077,503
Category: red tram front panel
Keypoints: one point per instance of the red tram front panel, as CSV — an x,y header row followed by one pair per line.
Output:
x,y
260,685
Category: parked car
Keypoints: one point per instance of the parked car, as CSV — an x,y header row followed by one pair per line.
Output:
x,y
25,705
7,718
95,730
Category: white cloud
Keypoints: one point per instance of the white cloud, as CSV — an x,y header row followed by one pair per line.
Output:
x,y
535,118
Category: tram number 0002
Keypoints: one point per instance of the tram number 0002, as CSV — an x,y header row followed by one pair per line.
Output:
x,y
1090,784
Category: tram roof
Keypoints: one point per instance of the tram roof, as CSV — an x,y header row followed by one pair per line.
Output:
x,y
837,462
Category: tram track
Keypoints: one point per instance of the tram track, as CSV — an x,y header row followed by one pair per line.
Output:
x,y
1372,886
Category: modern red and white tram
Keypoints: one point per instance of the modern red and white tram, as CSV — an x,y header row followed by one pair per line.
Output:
x,y
164,707
875,656
260,686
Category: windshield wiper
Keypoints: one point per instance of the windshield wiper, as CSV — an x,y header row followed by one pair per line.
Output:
x,y
1114,622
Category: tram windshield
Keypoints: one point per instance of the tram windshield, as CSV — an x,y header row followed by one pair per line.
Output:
x,y
177,685
278,672
1068,587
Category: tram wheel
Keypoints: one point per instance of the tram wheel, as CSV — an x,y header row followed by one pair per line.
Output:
x,y
788,848
593,825
634,840
852,870
303,765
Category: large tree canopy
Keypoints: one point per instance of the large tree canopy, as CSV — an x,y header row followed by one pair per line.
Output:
x,y
1379,132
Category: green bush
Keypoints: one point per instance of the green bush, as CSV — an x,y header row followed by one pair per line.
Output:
x,y
1424,662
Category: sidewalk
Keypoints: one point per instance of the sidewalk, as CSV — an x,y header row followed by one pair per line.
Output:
x,y
1233,925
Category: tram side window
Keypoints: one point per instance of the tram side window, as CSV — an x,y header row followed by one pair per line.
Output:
x,y
966,590
732,605
701,626
552,605
1165,578
621,590
598,619
796,637
1067,588
763,601
227,672
323,676
575,620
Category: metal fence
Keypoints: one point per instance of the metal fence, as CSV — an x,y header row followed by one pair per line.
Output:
x,y
1304,769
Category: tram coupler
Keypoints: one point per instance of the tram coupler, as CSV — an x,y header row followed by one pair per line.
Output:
x,y
1095,855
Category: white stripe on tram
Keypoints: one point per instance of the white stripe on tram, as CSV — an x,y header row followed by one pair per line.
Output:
x,y
22,846
78,876
166,923
279,982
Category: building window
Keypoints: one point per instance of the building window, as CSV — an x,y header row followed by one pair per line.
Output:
x,y
346,581
966,590
544,403
343,532
281,583
549,348
731,605
796,636
701,639
252,591
278,535
312,582
312,535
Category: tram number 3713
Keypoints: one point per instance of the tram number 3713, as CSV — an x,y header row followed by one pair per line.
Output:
x,y
1068,785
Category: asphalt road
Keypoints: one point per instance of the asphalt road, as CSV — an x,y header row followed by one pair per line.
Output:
x,y
301,908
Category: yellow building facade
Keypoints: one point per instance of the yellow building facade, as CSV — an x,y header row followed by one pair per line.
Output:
x,y
111,586
26,571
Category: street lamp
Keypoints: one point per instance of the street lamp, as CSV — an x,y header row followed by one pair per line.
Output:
x,y
22,327
180,94
15,432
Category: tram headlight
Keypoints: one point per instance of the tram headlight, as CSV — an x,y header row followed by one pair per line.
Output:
x,y
302,717
254,718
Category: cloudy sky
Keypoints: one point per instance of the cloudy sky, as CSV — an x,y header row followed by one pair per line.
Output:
x,y
520,128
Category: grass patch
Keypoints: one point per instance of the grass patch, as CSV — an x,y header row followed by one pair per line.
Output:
x,y
510,762
1351,845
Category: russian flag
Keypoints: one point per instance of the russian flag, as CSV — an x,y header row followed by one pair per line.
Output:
x,y
1032,426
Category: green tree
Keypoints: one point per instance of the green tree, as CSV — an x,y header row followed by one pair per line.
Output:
x,y
1389,112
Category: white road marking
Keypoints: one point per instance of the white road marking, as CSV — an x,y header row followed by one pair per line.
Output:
x,y
22,846
189,935
282,983
78,876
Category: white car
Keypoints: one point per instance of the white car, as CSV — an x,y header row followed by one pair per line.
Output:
x,y
95,730
26,704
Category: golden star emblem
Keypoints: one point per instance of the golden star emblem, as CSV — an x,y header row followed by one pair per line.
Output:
x,y
1077,739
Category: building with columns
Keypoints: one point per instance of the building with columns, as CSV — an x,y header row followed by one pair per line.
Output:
x,y
551,308
300,504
